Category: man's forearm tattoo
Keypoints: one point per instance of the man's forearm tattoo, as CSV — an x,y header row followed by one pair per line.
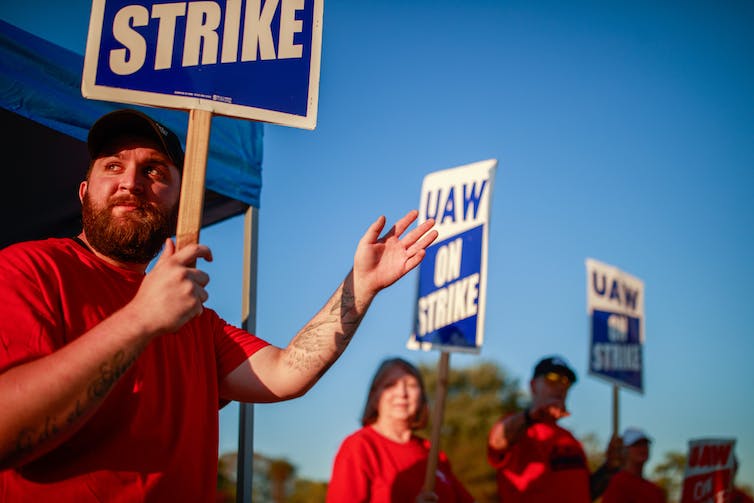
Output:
x,y
109,374
314,345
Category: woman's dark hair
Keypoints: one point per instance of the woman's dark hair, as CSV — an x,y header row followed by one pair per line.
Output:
x,y
380,382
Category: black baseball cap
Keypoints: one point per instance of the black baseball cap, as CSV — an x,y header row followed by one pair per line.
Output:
x,y
555,364
129,122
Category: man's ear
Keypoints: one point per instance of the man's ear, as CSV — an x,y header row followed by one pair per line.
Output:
x,y
82,191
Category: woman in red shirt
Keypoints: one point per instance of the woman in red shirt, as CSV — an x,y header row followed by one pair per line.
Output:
x,y
384,461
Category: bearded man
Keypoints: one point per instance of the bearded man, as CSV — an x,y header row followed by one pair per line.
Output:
x,y
110,376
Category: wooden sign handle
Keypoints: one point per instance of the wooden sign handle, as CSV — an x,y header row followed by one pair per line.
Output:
x,y
616,410
194,172
437,415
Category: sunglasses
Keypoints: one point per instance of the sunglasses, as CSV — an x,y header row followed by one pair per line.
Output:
x,y
555,378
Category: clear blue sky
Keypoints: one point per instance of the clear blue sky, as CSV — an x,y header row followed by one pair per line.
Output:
x,y
624,132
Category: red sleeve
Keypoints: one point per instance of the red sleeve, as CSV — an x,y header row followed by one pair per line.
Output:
x,y
233,345
497,457
349,482
29,326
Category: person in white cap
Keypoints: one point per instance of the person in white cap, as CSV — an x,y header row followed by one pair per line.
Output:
x,y
629,484
538,461
110,376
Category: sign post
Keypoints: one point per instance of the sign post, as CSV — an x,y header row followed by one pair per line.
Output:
x,y
452,286
437,417
200,57
194,174
615,305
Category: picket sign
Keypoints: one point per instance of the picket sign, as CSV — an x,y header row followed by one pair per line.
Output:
x,y
615,305
451,291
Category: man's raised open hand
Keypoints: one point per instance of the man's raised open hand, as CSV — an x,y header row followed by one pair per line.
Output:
x,y
381,261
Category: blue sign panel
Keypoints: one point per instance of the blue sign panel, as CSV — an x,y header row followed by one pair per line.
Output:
x,y
616,349
257,59
449,291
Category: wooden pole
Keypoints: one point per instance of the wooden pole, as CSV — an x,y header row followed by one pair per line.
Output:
x,y
616,410
437,415
194,171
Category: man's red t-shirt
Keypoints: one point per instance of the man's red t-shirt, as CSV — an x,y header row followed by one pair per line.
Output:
x,y
626,487
155,436
546,465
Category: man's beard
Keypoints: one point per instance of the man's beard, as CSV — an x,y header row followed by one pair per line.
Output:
x,y
134,237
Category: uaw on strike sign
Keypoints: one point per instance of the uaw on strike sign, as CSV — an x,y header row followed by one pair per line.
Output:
x,y
253,59
615,304
452,283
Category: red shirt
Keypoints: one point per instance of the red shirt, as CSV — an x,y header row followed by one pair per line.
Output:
x,y
372,468
548,464
155,436
626,487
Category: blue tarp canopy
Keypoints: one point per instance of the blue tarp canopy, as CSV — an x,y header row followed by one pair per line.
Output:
x,y
44,121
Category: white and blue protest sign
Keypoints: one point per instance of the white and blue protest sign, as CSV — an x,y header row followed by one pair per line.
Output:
x,y
253,59
452,285
615,305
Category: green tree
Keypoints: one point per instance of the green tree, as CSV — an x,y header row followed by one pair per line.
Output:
x,y
668,474
274,482
226,479
308,491
280,473
476,397
594,449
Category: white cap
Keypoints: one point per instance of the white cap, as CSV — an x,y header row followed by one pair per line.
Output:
x,y
632,435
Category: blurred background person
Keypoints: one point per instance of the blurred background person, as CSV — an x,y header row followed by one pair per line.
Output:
x,y
537,460
629,484
385,461
737,494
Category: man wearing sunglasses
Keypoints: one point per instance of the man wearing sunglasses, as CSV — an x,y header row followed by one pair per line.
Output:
x,y
537,460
